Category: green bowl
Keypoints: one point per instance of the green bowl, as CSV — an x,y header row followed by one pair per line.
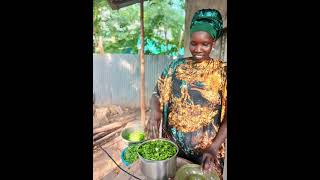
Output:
x,y
193,172
126,132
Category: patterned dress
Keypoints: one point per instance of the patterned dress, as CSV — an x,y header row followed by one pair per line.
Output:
x,y
193,100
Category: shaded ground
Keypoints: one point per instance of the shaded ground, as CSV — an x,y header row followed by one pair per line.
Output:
x,y
102,164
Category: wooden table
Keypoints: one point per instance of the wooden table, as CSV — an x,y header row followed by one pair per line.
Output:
x,y
118,174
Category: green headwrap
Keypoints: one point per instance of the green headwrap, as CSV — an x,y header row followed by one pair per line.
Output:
x,y
208,20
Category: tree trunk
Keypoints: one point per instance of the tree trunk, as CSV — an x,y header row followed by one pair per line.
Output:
x,y
100,45
166,40
142,102
180,40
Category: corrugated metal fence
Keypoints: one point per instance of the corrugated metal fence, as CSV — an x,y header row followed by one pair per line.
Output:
x,y
116,78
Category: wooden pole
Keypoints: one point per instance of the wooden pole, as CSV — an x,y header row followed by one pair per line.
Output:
x,y
100,45
142,102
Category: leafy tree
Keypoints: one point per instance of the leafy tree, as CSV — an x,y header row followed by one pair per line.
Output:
x,y
120,29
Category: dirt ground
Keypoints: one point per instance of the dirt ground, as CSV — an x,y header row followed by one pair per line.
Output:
x,y
102,164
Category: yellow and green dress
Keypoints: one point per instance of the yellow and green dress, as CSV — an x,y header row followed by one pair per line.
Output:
x,y
192,99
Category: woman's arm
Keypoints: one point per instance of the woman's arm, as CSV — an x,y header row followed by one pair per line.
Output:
x,y
221,135
211,155
153,124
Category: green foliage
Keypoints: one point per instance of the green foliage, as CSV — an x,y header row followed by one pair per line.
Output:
x,y
120,29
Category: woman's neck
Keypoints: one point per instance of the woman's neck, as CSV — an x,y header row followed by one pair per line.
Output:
x,y
199,60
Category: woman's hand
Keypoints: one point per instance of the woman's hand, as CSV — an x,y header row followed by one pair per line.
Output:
x,y
210,161
210,157
153,124
152,129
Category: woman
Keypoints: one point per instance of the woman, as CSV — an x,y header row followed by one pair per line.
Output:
x,y
190,96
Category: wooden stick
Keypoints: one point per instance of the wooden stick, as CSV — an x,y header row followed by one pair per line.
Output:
x,y
112,125
102,134
99,135
142,85
122,117
106,137
118,119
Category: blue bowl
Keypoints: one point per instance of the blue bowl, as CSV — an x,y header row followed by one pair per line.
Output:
x,y
122,157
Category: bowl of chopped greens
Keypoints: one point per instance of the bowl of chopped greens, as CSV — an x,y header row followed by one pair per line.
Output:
x,y
132,135
129,154
158,158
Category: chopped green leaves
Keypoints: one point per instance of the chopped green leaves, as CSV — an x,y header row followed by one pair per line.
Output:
x,y
136,136
157,150
131,153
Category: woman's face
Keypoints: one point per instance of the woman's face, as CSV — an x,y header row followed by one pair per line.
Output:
x,y
201,45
